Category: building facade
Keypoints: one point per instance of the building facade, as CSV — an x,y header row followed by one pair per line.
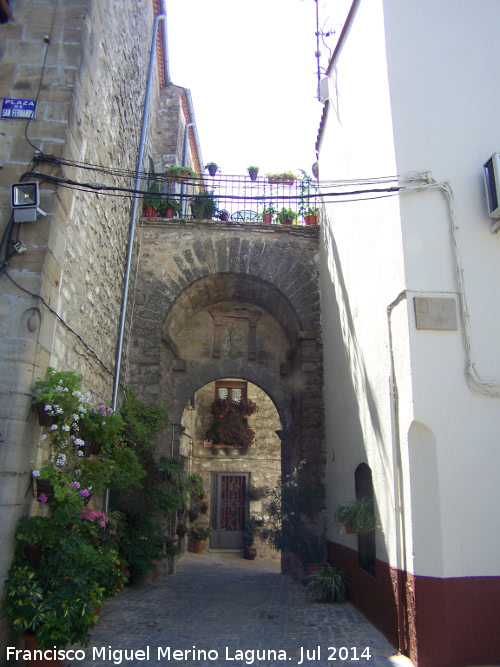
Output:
x,y
409,293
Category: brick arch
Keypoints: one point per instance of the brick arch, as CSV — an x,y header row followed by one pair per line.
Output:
x,y
174,256
212,289
214,370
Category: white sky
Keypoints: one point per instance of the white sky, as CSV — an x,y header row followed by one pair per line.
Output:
x,y
251,69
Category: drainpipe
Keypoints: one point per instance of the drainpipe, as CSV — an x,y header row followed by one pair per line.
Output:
x,y
192,124
184,164
121,331
398,487
165,44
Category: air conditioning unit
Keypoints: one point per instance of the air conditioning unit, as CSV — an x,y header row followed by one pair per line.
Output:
x,y
492,184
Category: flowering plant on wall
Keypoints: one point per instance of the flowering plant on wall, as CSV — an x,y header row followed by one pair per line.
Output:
x,y
296,497
230,426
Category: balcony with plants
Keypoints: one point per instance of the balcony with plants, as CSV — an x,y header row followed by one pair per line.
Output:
x,y
278,199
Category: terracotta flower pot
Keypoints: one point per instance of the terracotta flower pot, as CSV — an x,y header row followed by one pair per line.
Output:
x,y
287,221
198,546
149,212
44,419
250,553
34,553
267,217
31,645
91,447
311,219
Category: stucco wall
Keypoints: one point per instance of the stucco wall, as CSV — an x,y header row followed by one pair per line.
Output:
x,y
361,274
454,130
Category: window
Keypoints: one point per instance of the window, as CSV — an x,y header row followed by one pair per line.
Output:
x,y
235,390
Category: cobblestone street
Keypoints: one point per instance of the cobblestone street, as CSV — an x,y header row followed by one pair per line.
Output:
x,y
234,612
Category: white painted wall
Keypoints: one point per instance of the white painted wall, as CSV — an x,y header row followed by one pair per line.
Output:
x,y
430,106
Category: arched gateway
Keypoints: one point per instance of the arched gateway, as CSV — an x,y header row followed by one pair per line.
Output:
x,y
212,302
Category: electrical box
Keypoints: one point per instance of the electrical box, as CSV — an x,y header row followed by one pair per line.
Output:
x,y
492,184
324,89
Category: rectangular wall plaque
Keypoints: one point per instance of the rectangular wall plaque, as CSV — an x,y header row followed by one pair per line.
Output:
x,y
435,313
21,109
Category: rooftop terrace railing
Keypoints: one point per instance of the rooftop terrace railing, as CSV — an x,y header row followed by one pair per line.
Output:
x,y
237,198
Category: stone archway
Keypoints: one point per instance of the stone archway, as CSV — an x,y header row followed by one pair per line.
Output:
x,y
215,301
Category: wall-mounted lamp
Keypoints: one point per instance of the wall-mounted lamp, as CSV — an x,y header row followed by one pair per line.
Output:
x,y
25,200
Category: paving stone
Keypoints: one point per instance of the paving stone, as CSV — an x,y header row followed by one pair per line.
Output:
x,y
219,604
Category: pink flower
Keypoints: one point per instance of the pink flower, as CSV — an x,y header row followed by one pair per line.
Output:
x,y
42,498
75,485
85,493
111,467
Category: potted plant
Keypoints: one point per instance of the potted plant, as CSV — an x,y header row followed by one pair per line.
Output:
x,y
211,167
168,207
257,492
230,427
102,426
311,216
286,216
223,215
204,206
253,173
285,177
307,199
357,516
200,534
268,213
180,173
251,528
56,395
328,583
152,201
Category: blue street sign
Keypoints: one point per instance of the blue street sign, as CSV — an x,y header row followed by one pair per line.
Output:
x,y
22,109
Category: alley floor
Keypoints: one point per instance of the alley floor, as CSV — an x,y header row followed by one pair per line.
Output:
x,y
221,610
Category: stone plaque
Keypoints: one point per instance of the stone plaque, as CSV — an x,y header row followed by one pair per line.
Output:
x,y
435,313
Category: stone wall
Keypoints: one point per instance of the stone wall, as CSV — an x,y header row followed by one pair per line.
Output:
x,y
217,300
262,461
88,63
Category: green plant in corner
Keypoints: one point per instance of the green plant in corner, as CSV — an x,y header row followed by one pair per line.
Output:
x,y
357,516
286,215
173,172
329,584
257,492
204,206
200,532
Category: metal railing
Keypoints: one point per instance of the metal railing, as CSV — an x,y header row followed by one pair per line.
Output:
x,y
237,198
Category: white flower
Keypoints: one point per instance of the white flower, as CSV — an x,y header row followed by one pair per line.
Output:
x,y
59,410
43,437
65,427
76,417
47,407
36,473
59,388
61,459
80,453
53,427
78,442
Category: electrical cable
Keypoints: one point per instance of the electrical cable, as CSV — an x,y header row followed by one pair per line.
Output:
x,y
48,40
101,188
66,326
474,381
